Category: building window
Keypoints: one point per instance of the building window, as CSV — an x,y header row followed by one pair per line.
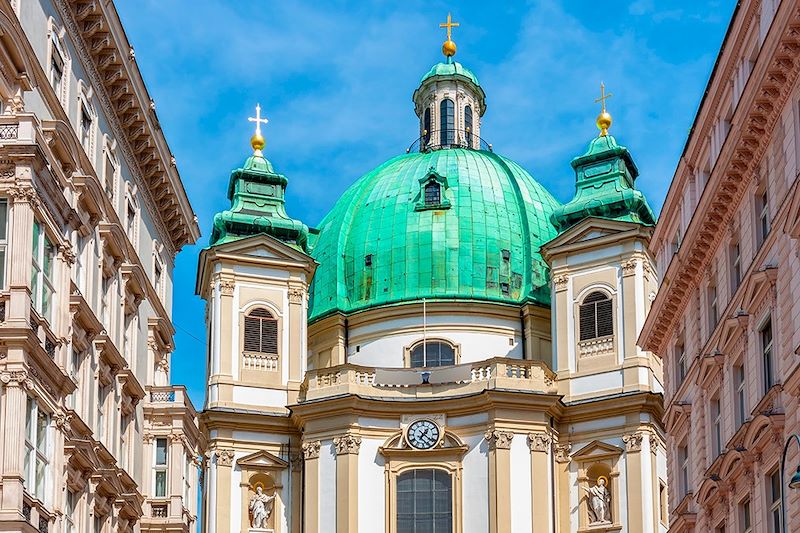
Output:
x,y
109,173
680,364
762,211
736,266
85,124
99,523
713,309
432,353
187,478
675,245
105,296
158,277
662,501
745,521
37,454
130,219
3,240
425,501
124,449
683,466
433,193
160,468
426,126
596,317
44,253
716,426
468,124
70,513
767,355
102,396
741,394
58,62
260,332
774,501
447,122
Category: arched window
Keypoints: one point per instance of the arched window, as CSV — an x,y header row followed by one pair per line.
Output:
x,y
425,501
432,353
596,316
260,332
447,122
426,125
433,193
468,124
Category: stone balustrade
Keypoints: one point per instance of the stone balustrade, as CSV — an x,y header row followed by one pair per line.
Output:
x,y
456,380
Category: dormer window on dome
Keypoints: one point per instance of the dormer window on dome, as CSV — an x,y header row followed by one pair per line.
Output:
x,y
432,189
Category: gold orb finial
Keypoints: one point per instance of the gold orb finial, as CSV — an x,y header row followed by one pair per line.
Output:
x,y
257,141
604,118
449,46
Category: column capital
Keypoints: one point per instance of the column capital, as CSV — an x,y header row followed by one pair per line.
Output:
x,y
224,456
347,444
498,440
311,449
633,441
539,442
15,378
226,287
295,295
23,192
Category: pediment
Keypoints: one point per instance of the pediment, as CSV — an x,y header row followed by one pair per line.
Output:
x,y
262,245
597,450
593,231
262,460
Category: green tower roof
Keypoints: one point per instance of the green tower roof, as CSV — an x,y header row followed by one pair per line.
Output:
x,y
604,187
449,69
256,193
381,244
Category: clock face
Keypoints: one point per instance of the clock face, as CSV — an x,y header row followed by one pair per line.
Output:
x,y
423,434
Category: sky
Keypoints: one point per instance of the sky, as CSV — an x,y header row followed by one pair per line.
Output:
x,y
335,80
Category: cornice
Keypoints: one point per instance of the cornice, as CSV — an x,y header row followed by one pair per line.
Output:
x,y
131,115
758,111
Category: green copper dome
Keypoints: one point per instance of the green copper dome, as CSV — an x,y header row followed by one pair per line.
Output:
x,y
392,238
450,69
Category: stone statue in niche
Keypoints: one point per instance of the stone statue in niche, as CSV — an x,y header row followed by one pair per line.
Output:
x,y
260,508
599,502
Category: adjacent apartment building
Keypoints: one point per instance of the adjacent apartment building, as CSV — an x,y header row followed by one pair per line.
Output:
x,y
726,316
93,439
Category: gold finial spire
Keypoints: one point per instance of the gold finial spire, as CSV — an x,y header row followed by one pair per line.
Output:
x,y
449,47
604,118
257,141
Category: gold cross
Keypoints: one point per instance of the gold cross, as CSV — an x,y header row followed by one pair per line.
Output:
x,y
449,25
258,120
603,96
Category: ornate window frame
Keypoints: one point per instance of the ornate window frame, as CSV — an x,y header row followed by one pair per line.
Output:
x,y
399,458
110,158
57,50
599,352
85,104
258,376
409,348
432,176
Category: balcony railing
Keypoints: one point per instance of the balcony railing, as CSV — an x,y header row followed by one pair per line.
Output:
x,y
497,373
437,140
169,396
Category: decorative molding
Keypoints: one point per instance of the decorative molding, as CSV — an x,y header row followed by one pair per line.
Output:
x,y
498,440
633,442
629,267
539,442
560,282
15,378
562,452
226,287
24,192
224,457
347,444
295,296
67,253
311,449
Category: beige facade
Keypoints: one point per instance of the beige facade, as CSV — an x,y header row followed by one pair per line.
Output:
x,y
92,213
725,320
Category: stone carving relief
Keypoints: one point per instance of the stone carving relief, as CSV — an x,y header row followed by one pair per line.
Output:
x,y
295,296
560,282
633,442
562,451
539,442
226,287
347,444
498,440
311,449
224,457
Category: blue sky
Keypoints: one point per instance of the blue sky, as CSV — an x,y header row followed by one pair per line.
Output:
x,y
335,79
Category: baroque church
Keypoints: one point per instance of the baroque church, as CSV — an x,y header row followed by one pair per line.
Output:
x,y
450,350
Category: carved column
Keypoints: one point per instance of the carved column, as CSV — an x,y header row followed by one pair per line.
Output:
x,y
311,489
23,201
224,323
347,447
13,418
224,464
499,443
636,489
296,473
293,354
561,456
541,495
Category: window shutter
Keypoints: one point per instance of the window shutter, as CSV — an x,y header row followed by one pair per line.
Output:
x,y
252,334
260,332
269,336
587,321
605,318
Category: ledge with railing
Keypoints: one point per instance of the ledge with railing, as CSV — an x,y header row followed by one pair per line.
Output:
x,y
446,381
443,139
169,396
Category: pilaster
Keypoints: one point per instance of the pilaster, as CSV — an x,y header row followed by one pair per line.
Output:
x,y
635,485
541,496
347,448
224,464
499,480
14,411
311,488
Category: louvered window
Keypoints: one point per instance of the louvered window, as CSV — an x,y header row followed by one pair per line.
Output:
x,y
260,332
596,317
